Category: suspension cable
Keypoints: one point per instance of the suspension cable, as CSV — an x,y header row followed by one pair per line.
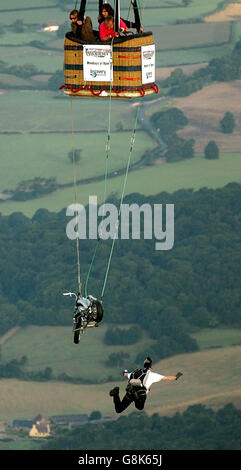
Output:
x,y
75,194
132,143
107,155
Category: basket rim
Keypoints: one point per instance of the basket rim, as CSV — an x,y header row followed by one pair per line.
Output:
x,y
118,40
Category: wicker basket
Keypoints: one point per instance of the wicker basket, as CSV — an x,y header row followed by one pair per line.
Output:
x,y
127,61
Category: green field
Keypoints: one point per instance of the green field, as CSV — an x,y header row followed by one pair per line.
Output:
x,y
10,37
7,79
151,16
47,346
217,337
163,16
45,61
50,61
31,16
195,173
21,444
47,156
191,35
53,347
193,43
180,37
40,110
211,377
191,56
24,4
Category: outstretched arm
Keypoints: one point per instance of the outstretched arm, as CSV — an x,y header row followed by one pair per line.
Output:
x,y
172,377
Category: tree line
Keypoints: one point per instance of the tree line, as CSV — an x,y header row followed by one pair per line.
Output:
x,y
167,293
197,428
222,69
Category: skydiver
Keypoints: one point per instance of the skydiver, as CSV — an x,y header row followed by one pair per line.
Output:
x,y
139,383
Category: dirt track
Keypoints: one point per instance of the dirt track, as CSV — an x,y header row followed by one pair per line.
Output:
x,y
8,335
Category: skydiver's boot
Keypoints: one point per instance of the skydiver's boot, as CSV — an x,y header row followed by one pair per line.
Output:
x,y
120,405
114,391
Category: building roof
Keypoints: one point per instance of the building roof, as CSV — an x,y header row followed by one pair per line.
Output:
x,y
21,423
38,418
69,418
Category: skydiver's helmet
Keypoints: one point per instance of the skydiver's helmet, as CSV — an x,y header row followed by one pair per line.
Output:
x,y
147,363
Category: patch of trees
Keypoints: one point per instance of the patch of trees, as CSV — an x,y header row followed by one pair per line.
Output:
x,y
168,123
222,69
197,428
96,414
74,155
56,80
16,369
227,124
211,151
117,359
18,26
22,71
167,293
179,148
31,189
119,336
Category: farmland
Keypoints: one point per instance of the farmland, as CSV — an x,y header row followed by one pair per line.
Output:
x,y
191,56
155,12
47,111
217,337
53,347
36,139
195,173
170,36
47,346
208,378
204,110
191,35
46,156
231,12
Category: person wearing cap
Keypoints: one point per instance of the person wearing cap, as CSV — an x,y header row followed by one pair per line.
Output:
x,y
139,385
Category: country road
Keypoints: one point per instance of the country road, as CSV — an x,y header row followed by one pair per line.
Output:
x,y
147,125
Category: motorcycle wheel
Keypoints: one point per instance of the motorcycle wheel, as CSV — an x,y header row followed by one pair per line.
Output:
x,y
100,311
76,337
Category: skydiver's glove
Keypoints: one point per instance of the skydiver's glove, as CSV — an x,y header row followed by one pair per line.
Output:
x,y
178,375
